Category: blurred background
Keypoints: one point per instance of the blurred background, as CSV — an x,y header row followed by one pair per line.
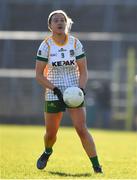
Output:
x,y
108,31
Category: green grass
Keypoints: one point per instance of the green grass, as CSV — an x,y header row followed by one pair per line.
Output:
x,y
22,145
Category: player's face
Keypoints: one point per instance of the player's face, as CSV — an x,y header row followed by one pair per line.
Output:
x,y
58,24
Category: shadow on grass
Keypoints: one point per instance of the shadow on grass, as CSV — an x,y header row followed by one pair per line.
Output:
x,y
69,174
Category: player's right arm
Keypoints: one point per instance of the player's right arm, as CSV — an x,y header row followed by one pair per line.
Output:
x,y
41,62
41,79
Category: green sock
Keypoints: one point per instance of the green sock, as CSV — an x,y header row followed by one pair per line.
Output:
x,y
48,150
94,161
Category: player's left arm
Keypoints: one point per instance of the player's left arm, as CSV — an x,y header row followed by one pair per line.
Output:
x,y
82,65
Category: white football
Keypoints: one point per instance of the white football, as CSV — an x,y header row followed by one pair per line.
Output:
x,y
73,96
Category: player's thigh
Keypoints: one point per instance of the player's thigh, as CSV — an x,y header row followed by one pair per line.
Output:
x,y
52,121
78,116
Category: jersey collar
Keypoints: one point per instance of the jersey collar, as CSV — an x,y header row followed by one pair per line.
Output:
x,y
58,44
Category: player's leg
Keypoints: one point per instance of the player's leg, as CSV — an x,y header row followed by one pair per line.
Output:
x,y
78,116
52,122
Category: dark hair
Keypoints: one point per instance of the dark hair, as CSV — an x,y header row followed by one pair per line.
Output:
x,y
67,19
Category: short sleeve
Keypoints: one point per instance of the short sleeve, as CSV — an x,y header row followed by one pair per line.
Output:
x,y
43,51
79,51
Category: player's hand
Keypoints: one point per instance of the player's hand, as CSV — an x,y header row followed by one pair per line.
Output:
x,y
58,93
83,91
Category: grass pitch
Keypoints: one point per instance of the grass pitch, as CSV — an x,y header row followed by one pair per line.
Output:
x,y
22,145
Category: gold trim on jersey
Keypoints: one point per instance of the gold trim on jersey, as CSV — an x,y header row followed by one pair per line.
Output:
x,y
75,43
59,44
46,41
45,72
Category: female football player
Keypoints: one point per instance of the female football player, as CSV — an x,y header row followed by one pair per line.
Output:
x,y
61,63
